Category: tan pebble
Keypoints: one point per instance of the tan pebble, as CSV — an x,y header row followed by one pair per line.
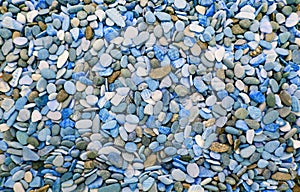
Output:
x,y
219,147
161,72
89,33
28,177
279,176
150,161
113,77
201,9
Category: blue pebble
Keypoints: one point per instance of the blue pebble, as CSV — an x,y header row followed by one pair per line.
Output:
x,y
257,96
164,130
265,44
271,127
20,103
130,147
206,172
51,31
254,112
159,53
241,125
173,54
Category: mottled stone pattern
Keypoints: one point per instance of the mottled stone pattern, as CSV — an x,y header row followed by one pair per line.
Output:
x,y
150,95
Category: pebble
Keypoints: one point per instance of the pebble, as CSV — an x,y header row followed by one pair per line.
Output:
x,y
248,151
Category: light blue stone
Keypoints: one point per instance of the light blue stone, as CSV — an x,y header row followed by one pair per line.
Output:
x,y
130,147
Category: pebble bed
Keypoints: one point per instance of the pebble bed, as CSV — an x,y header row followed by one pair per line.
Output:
x,y
149,95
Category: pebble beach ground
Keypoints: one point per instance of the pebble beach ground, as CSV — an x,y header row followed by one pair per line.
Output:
x,y
150,95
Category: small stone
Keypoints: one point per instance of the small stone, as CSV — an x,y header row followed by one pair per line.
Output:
x,y
70,87
279,176
105,60
248,151
285,97
292,20
178,175
219,147
161,72
181,90
241,113
62,96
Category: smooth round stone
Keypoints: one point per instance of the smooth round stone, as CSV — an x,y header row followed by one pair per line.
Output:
x,y
130,147
217,84
262,163
161,138
18,187
271,146
241,113
20,41
254,112
131,32
7,104
58,161
193,170
18,175
91,99
170,151
227,102
180,4
248,151
24,115
292,20
105,60
270,117
43,54
211,100
42,135
70,87
179,25
178,175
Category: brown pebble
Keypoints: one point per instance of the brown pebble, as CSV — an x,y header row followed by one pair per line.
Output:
x,y
186,185
161,72
150,161
89,33
114,76
61,170
219,147
6,77
237,30
279,176
16,94
42,25
42,189
289,149
32,96
89,164
16,34
62,96
285,98
270,37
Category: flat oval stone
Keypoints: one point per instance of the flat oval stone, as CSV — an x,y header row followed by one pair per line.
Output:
x,y
105,60
20,41
70,87
270,117
178,175
130,147
193,170
248,151
85,123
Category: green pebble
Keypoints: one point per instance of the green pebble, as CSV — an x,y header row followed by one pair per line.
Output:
x,y
33,141
271,100
81,145
91,154
291,118
178,187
